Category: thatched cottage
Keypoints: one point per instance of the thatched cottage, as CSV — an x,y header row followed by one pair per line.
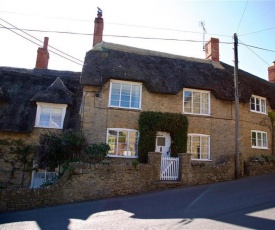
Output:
x,y
120,82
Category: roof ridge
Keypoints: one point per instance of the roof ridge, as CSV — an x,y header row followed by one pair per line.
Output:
x,y
129,49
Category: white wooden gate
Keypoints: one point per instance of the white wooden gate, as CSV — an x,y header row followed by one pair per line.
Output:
x,y
169,168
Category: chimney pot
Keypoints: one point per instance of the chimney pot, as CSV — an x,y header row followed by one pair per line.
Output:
x,y
46,41
212,50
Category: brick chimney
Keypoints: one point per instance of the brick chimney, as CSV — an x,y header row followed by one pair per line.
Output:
x,y
271,73
212,50
98,30
43,56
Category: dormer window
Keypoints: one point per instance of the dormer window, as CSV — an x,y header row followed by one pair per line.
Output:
x,y
125,94
50,115
258,104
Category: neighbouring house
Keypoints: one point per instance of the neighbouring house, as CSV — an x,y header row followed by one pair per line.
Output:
x,y
121,82
35,101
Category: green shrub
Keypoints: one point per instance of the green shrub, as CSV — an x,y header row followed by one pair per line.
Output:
x,y
135,163
95,153
263,158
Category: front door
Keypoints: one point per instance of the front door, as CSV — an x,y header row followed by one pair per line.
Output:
x,y
163,143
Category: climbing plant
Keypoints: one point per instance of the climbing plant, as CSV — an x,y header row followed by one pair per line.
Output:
x,y
271,115
151,122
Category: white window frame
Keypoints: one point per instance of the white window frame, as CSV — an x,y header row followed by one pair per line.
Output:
x,y
262,104
128,152
200,102
191,135
128,83
261,146
40,105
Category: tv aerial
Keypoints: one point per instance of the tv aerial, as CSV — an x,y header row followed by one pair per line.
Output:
x,y
202,24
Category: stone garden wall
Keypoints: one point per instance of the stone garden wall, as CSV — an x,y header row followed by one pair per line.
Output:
x,y
84,182
258,167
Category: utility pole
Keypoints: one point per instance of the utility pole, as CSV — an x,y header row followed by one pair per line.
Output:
x,y
236,83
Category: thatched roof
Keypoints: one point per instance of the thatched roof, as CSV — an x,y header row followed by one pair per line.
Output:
x,y
168,74
21,88
57,92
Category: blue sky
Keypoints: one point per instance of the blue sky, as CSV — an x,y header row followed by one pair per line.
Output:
x,y
160,20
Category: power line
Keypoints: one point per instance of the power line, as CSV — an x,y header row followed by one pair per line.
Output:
x,y
160,28
78,33
258,31
39,45
242,16
255,53
121,36
256,47
41,41
121,24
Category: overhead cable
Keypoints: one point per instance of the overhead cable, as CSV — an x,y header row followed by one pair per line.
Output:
x,y
255,53
39,45
41,41
242,16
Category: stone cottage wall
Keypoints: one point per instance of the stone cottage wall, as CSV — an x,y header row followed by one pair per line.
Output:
x,y
220,125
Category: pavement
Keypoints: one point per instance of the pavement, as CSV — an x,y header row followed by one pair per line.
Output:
x,y
246,203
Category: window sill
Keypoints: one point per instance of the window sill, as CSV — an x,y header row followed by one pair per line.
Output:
x,y
46,127
207,160
124,108
258,112
118,156
197,114
256,147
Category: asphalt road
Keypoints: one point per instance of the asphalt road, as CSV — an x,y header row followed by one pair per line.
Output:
x,y
247,203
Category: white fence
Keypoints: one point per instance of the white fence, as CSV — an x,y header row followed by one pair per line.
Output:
x,y
39,178
169,168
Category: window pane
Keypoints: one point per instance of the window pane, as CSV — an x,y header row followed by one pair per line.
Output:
x,y
133,143
125,104
56,117
196,102
136,90
259,139
44,120
161,141
112,140
204,147
252,103
45,116
187,101
253,138
204,105
257,104
198,145
263,106
264,136
122,142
